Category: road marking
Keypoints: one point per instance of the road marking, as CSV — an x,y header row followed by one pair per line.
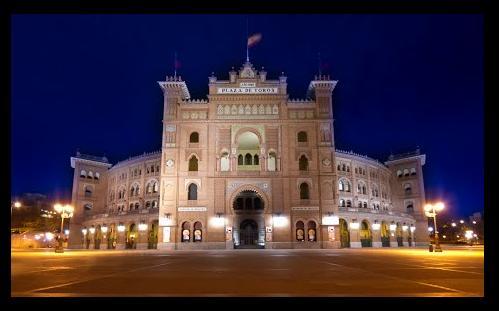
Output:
x,y
95,278
400,279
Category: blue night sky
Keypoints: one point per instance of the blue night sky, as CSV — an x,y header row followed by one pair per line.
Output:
x,y
89,82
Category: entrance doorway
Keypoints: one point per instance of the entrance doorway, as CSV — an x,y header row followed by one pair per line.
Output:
x,y
248,218
248,234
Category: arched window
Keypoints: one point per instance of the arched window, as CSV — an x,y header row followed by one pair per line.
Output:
x,y
300,231
240,160
342,203
410,207
193,164
359,205
155,187
406,172
186,232
152,168
399,173
224,162
137,205
87,207
364,190
303,163
137,190
97,176
149,187
148,204
198,232
311,232
339,167
194,138
356,171
248,159
272,162
365,204
88,191
256,160
348,168
302,137
304,191
154,204
341,185
90,175
413,171
192,193
407,188
343,167
349,203
347,186
132,191
83,173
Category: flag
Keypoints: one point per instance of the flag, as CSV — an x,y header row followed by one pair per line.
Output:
x,y
254,39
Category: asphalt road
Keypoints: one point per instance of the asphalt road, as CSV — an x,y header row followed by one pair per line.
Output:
x,y
263,273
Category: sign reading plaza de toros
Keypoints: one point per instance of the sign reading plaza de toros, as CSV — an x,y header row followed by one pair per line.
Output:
x,y
247,90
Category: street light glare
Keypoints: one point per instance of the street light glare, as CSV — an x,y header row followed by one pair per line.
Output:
x,y
439,206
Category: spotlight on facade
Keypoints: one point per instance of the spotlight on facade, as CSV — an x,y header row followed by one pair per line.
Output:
x,y
354,225
92,230
121,228
17,204
104,229
66,232
430,229
453,224
405,227
84,231
218,221
279,220
376,225
474,222
330,220
461,221
37,237
142,226
393,227
413,228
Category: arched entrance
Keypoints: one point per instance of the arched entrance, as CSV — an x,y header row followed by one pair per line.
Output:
x,y
249,231
366,239
344,234
385,234
398,233
97,237
111,237
152,241
248,234
131,237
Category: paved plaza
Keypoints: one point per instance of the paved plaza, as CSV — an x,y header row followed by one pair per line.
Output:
x,y
457,272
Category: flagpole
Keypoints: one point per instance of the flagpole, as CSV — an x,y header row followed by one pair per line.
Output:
x,y
175,64
247,49
320,72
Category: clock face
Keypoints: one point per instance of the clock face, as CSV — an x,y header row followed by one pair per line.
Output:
x,y
169,163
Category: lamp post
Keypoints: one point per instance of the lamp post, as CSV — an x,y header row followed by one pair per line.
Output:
x,y
431,211
66,211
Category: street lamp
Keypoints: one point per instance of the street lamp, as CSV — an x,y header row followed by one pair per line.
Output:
x,y
15,204
431,211
66,211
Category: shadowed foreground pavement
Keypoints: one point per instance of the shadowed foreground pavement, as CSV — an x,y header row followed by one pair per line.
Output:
x,y
341,272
